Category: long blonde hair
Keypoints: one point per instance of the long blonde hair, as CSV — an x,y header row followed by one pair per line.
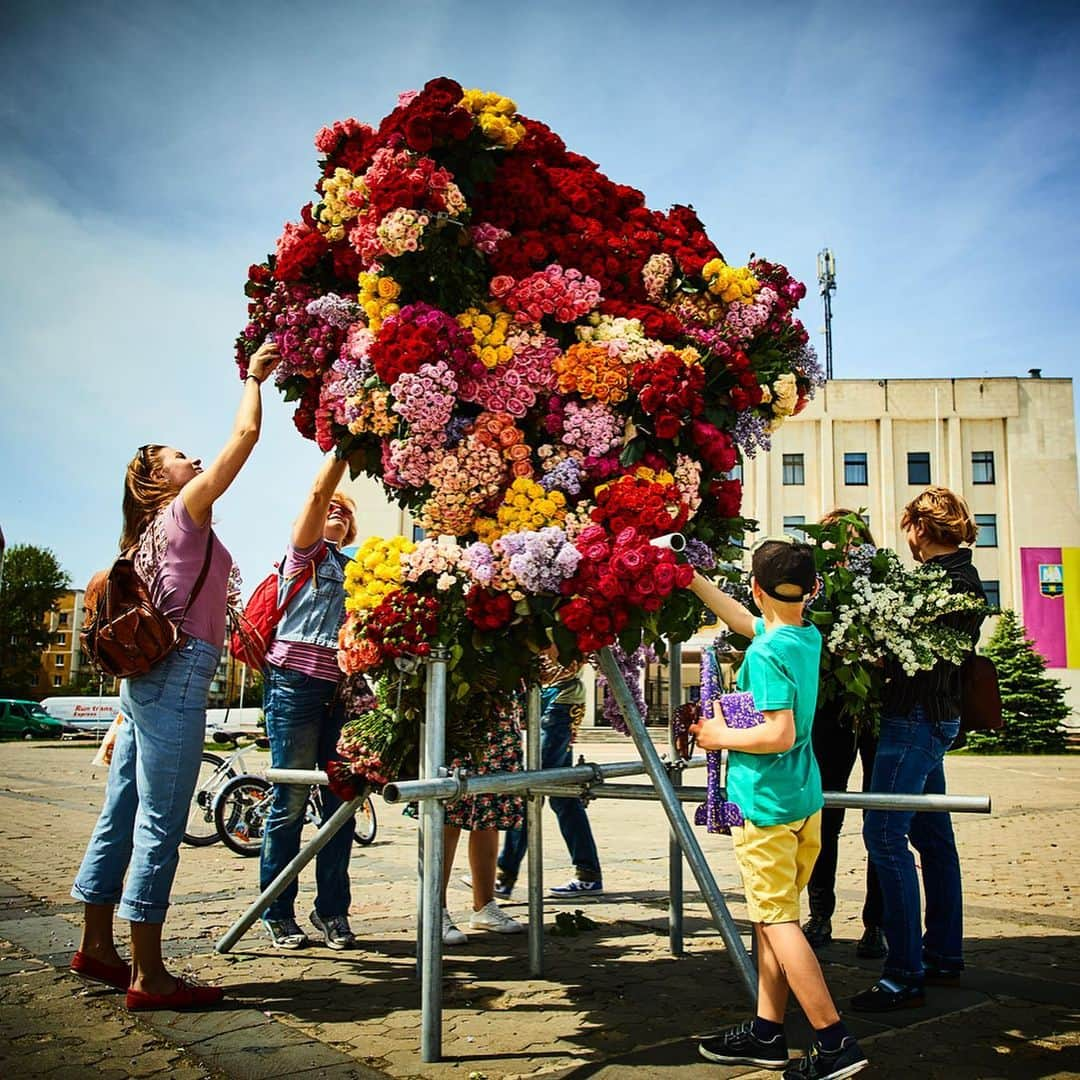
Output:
x,y
144,494
944,516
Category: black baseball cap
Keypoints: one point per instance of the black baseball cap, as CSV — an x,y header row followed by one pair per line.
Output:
x,y
784,568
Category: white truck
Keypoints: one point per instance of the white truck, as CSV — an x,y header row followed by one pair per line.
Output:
x,y
91,715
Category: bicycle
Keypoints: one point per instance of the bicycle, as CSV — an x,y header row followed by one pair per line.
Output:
x,y
243,805
215,772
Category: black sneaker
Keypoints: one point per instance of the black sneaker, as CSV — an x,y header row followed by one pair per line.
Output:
x,y
286,934
335,931
740,1046
821,1064
818,931
940,974
886,995
872,944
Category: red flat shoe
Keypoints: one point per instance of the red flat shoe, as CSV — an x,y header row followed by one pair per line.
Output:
x,y
185,996
117,976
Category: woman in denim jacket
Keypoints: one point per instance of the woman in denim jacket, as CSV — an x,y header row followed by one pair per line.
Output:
x,y
303,712
168,499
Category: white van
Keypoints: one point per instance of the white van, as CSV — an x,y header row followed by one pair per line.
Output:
x,y
91,715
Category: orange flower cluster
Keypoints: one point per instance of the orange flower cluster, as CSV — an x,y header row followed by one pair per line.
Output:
x,y
497,430
592,372
374,416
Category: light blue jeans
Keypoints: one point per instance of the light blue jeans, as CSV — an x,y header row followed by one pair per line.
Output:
x,y
155,766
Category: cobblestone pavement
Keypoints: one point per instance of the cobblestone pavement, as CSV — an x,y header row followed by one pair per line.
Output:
x,y
612,1001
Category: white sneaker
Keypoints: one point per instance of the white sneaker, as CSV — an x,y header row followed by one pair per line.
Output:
x,y
451,935
492,917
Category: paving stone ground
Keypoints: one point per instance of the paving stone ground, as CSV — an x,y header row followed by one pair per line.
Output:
x,y
612,1002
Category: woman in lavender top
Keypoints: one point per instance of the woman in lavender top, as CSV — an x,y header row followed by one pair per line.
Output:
x,y
303,711
168,499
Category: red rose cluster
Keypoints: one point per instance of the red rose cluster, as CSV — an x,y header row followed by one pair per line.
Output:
x,y
403,624
636,503
613,576
487,609
416,335
669,390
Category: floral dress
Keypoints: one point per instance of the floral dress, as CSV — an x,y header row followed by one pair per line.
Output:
x,y
501,753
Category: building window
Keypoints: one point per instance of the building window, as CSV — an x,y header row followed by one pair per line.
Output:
x,y
63,618
918,468
993,593
58,680
735,474
982,466
417,534
794,469
855,474
61,639
58,660
987,524
793,525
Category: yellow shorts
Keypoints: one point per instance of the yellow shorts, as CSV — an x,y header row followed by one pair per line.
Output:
x,y
775,862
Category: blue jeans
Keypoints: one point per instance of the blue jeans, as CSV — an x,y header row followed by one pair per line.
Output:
x,y
303,725
155,766
555,753
909,760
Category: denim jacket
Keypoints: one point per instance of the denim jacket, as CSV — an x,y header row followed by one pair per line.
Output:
x,y
316,613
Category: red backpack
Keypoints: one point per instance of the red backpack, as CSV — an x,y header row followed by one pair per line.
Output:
x,y
255,626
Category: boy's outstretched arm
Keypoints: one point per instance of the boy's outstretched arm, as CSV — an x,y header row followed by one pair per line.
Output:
x,y
723,606
774,736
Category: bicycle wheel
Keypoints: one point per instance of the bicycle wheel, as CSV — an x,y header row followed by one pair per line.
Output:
x,y
240,813
214,773
366,825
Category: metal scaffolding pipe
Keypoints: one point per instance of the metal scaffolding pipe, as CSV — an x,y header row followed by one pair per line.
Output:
x,y
675,859
452,787
848,800
681,827
434,751
534,810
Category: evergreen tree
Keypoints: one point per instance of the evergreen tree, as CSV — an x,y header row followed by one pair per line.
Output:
x,y
1032,704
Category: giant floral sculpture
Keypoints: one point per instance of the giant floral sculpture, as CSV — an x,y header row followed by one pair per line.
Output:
x,y
544,371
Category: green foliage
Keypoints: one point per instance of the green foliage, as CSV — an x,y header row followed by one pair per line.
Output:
x,y
32,584
1033,704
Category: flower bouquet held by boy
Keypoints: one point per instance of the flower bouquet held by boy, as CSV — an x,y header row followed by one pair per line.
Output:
x,y
773,777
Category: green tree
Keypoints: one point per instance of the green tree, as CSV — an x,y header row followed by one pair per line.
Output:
x,y
32,584
1032,704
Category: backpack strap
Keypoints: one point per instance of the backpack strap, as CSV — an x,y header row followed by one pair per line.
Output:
x,y
200,579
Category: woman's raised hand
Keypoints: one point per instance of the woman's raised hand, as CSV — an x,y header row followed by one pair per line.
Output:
x,y
265,359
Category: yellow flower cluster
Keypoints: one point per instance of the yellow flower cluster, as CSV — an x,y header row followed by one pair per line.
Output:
x,y
375,572
526,507
489,335
336,207
378,297
495,115
643,472
730,283
375,415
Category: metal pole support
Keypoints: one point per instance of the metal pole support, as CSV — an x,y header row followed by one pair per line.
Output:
x,y
681,827
432,816
675,862
534,833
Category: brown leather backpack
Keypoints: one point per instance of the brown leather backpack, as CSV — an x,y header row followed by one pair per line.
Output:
x,y
124,633
980,695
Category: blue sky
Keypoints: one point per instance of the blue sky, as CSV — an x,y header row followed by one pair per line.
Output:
x,y
149,152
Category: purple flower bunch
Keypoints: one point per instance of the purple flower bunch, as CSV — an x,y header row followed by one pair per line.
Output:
x,y
751,433
344,381
631,665
336,310
540,561
564,476
699,555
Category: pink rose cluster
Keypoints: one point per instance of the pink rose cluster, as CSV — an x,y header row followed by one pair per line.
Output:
x,y
565,295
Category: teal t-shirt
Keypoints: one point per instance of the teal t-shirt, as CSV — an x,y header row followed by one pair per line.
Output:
x,y
781,669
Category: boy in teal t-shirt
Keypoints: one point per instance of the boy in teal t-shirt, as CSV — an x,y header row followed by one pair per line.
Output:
x,y
773,777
